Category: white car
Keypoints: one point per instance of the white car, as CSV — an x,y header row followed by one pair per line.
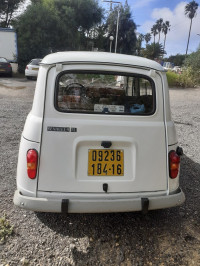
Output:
x,y
32,68
177,69
90,145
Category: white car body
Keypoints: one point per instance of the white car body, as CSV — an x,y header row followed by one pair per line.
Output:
x,y
32,68
167,66
177,69
67,178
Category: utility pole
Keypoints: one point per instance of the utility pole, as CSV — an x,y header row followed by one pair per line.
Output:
x,y
118,11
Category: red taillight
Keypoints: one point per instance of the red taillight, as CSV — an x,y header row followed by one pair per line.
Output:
x,y
26,67
174,163
32,159
9,65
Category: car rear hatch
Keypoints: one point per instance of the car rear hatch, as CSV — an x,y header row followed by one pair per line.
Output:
x,y
103,131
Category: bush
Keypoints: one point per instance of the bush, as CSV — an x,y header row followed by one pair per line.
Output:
x,y
192,64
184,80
173,79
5,228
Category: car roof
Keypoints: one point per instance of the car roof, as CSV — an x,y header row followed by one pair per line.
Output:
x,y
100,58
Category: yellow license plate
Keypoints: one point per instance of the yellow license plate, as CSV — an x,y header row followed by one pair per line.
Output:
x,y
3,70
105,162
35,68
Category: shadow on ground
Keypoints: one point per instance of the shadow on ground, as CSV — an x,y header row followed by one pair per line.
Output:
x,y
133,237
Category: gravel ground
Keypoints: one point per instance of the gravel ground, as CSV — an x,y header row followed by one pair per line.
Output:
x,y
163,237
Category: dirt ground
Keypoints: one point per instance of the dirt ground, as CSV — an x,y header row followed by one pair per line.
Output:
x,y
163,237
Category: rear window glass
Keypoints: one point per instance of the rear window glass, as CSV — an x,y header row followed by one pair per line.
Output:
x,y
3,60
105,93
35,62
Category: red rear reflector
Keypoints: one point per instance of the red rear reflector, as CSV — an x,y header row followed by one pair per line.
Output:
x,y
174,163
32,159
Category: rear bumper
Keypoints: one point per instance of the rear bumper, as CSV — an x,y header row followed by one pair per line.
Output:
x,y
6,71
92,205
31,73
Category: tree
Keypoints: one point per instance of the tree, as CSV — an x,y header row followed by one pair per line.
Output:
x,y
177,59
154,31
192,63
55,25
127,27
77,18
190,12
153,50
85,13
147,37
38,33
159,24
99,39
165,28
140,39
7,10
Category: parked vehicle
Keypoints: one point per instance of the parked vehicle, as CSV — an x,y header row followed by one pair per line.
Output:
x,y
5,67
177,69
8,44
168,66
32,68
99,137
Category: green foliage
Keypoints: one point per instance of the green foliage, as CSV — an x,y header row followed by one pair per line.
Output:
x,y
177,59
127,27
191,9
166,27
184,80
98,37
193,60
159,24
153,50
173,79
55,25
5,229
154,31
147,38
192,64
38,32
7,10
140,39
190,12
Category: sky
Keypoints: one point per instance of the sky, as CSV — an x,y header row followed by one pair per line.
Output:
x,y
146,12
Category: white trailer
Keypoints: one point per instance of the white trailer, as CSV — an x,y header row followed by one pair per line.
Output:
x,y
8,44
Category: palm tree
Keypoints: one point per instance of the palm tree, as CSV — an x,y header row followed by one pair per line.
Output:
x,y
147,37
153,51
154,31
159,24
140,39
165,28
190,12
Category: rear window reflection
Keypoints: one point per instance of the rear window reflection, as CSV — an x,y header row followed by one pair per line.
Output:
x,y
105,93
35,62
